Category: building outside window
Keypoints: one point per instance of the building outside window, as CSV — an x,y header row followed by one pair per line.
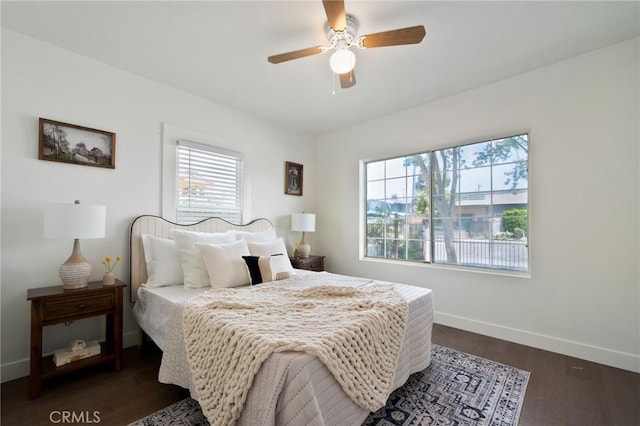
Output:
x,y
465,205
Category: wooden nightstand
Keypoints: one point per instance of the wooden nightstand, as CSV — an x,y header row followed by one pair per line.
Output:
x,y
311,263
54,305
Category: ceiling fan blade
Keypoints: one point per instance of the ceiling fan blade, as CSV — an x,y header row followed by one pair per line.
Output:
x,y
335,14
348,79
410,35
295,54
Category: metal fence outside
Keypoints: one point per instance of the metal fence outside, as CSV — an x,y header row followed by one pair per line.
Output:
x,y
510,254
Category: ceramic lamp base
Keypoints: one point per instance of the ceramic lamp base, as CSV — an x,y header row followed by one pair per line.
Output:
x,y
75,275
304,250
75,272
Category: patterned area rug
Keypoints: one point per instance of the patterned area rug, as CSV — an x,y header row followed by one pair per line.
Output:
x,y
457,389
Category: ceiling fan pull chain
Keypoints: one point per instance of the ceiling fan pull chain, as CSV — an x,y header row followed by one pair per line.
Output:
x,y
333,92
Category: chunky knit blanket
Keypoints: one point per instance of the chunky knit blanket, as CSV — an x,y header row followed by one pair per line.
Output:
x,y
356,332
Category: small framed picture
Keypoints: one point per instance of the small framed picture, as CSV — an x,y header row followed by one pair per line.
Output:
x,y
293,178
68,143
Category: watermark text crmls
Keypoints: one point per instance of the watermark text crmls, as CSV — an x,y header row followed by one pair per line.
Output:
x,y
71,417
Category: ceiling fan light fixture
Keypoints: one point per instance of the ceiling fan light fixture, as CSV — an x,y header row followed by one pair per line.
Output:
x,y
342,61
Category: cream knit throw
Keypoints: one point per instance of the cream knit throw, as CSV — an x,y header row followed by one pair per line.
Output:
x,y
355,332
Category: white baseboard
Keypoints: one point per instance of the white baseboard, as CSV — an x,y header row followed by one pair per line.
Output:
x,y
613,358
17,369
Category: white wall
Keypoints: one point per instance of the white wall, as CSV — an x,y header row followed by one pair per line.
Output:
x,y
582,297
40,80
584,292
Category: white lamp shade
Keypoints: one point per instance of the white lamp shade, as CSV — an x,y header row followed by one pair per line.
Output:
x,y
305,222
342,61
74,221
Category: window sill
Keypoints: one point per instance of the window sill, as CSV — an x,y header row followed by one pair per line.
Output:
x,y
471,269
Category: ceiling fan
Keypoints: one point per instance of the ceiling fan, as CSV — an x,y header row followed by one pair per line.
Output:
x,y
341,29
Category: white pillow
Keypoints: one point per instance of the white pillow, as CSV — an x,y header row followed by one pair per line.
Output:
x,y
263,269
269,248
194,270
225,264
255,237
280,267
161,257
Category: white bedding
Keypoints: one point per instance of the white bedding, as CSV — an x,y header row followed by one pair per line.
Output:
x,y
154,306
290,388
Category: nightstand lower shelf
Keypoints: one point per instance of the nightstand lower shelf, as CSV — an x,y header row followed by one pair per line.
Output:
x,y
50,370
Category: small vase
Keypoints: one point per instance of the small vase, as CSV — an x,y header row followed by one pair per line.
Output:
x,y
108,278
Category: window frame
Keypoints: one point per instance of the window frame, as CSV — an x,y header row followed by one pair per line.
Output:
x,y
430,229
171,134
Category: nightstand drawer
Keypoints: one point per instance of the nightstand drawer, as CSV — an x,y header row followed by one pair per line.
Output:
x,y
52,310
311,263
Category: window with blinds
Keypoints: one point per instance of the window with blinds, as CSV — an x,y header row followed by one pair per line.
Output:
x,y
209,183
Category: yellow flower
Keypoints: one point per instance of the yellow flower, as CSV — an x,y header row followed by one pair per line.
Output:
x,y
107,262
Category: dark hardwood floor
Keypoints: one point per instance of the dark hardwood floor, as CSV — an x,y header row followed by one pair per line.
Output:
x,y
561,391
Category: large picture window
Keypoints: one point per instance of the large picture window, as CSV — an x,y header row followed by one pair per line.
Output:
x,y
465,205
209,183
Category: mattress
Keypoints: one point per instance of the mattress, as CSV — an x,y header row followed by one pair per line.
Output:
x,y
290,388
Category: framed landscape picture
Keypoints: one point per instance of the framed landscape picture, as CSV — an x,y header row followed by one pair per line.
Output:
x,y
293,178
69,143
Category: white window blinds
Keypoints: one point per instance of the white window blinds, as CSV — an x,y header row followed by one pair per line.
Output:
x,y
209,183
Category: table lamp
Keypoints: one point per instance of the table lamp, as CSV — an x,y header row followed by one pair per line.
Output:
x,y
304,222
74,221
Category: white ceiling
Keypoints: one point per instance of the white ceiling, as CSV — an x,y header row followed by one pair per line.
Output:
x,y
218,50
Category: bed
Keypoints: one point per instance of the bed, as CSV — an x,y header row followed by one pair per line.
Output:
x,y
290,387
